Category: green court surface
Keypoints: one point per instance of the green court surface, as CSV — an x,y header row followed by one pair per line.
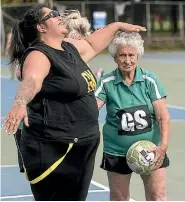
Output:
x,y
170,68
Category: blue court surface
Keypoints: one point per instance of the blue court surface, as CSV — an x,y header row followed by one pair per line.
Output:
x,y
8,89
14,187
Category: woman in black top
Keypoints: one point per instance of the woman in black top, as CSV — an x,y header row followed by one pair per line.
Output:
x,y
78,28
61,133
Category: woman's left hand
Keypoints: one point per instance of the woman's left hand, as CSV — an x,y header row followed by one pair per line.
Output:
x,y
14,117
160,152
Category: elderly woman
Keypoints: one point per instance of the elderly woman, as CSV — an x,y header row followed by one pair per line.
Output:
x,y
127,91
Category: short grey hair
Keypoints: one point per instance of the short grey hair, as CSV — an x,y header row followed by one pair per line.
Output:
x,y
127,39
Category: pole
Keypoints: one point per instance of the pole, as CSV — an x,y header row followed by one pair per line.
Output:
x,y
181,20
148,19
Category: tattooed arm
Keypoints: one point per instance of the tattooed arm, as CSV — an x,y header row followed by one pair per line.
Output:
x,y
34,72
26,91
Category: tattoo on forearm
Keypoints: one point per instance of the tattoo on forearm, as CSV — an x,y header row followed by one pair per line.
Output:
x,y
26,91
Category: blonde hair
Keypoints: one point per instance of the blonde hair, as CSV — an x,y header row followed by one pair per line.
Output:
x,y
77,25
127,39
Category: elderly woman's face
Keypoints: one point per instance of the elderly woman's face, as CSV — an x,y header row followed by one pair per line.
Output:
x,y
126,58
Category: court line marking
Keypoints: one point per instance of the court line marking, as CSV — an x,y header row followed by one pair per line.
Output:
x,y
92,181
5,77
16,196
30,195
8,166
176,107
177,120
100,185
105,189
95,191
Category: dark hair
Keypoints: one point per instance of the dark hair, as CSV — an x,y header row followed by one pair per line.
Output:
x,y
25,33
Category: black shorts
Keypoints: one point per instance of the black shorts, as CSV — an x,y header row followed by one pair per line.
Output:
x,y
71,179
17,137
118,164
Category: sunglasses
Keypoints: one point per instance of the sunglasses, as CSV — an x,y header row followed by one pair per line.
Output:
x,y
52,14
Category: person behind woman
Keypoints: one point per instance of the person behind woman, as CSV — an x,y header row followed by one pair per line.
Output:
x,y
136,110
61,134
78,26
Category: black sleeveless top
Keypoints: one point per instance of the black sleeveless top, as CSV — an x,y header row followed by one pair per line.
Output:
x,y
65,109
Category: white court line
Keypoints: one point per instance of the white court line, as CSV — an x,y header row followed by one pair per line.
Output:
x,y
29,195
8,166
177,107
95,191
105,189
177,121
5,77
99,185
92,181
17,196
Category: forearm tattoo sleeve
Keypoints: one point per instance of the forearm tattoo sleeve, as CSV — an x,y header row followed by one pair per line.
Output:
x,y
26,91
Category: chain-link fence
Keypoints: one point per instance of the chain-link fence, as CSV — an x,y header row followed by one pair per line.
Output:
x,y
164,20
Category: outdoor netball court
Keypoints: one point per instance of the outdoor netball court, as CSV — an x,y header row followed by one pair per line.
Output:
x,y
170,67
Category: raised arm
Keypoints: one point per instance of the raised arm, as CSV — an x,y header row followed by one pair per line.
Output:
x,y
100,39
34,72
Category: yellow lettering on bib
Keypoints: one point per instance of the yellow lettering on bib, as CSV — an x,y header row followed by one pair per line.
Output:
x,y
89,78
